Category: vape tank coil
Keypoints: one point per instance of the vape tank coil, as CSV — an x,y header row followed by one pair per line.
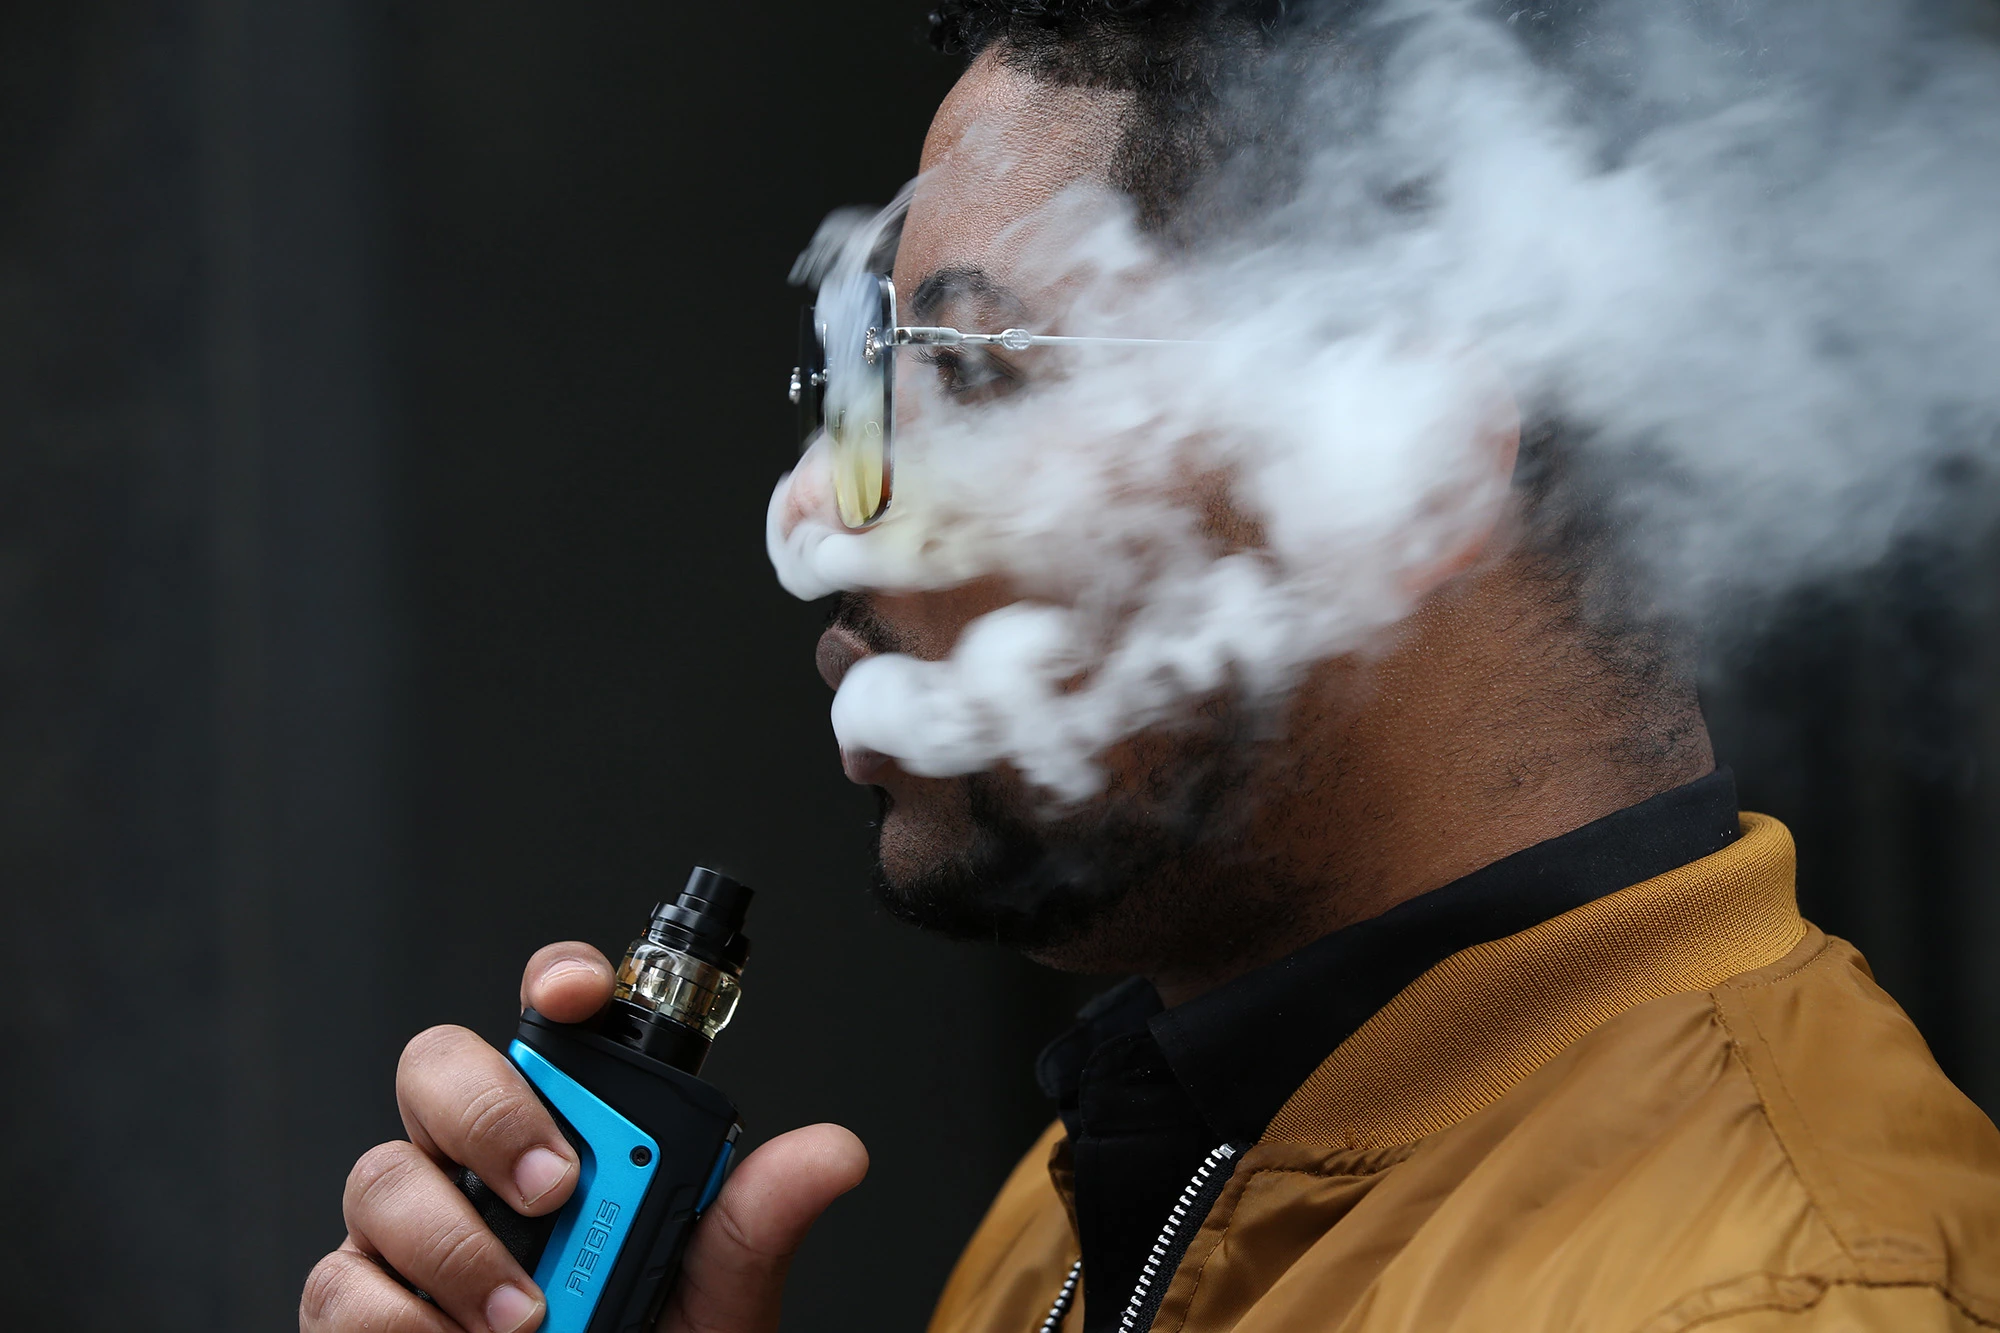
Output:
x,y
679,982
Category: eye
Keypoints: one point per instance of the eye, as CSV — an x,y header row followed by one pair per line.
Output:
x,y
971,374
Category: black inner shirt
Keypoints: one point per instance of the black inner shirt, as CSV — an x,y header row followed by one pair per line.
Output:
x,y
1146,1092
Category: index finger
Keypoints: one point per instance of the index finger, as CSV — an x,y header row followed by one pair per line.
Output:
x,y
566,982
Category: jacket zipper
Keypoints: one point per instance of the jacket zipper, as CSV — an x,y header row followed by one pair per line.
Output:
x,y
1165,1256
1063,1298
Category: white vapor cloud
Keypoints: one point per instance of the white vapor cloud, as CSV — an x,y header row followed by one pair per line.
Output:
x,y
1749,253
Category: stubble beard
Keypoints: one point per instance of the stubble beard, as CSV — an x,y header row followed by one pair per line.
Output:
x,y
1131,880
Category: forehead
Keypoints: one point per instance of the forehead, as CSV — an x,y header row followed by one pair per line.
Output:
x,y
1002,146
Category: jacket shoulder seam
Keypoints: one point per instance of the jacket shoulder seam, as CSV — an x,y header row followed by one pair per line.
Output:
x,y
1767,976
1872,1256
1810,1181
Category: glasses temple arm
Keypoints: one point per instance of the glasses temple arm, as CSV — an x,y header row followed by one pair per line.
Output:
x,y
1017,339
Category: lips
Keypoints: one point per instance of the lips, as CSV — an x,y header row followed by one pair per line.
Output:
x,y
864,768
839,649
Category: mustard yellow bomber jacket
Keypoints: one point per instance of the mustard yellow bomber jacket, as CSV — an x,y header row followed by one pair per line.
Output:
x,y
1677,1107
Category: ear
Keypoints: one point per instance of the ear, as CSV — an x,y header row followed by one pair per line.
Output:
x,y
1473,506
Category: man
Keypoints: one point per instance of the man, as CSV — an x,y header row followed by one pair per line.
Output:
x,y
1468,1001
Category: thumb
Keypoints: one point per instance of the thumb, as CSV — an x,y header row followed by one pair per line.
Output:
x,y
567,982
733,1277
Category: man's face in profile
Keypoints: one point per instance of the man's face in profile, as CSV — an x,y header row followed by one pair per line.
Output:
x,y
1210,594
984,856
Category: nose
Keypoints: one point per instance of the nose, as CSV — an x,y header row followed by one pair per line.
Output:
x,y
809,492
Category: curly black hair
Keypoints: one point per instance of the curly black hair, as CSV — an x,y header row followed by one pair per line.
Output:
x,y
969,26
1178,58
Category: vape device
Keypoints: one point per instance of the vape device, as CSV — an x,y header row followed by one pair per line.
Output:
x,y
654,1140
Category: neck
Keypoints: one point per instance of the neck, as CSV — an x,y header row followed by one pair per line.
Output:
x,y
1488,726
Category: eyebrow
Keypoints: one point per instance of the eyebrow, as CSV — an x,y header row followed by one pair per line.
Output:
x,y
947,286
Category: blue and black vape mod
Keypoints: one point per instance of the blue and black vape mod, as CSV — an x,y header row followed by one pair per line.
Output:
x,y
655,1141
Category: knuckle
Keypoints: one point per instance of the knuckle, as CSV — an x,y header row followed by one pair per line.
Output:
x,y
347,1293
459,1256
380,1172
433,1043
324,1291
501,1115
730,1227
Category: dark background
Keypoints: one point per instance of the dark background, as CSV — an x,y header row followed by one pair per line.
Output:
x,y
391,394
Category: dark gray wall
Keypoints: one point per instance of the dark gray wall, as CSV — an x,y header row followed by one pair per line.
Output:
x,y
1867,717
391,398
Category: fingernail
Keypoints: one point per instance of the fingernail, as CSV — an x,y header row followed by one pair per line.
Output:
x,y
538,1172
509,1309
569,968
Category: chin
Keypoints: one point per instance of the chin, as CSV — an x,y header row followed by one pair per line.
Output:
x,y
924,831
964,859
1117,883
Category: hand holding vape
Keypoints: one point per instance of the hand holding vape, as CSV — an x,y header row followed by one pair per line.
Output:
x,y
654,1141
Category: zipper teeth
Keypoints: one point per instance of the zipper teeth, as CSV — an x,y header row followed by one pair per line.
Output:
x,y
1063,1299
1128,1322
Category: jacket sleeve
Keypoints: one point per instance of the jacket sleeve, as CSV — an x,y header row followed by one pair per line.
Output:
x,y
1855,1308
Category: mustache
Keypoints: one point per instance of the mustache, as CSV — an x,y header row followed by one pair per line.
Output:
x,y
853,612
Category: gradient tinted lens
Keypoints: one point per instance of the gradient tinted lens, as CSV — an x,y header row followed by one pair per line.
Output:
x,y
859,399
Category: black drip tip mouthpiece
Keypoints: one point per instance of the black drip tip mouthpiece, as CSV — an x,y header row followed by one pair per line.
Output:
x,y
706,920
679,983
